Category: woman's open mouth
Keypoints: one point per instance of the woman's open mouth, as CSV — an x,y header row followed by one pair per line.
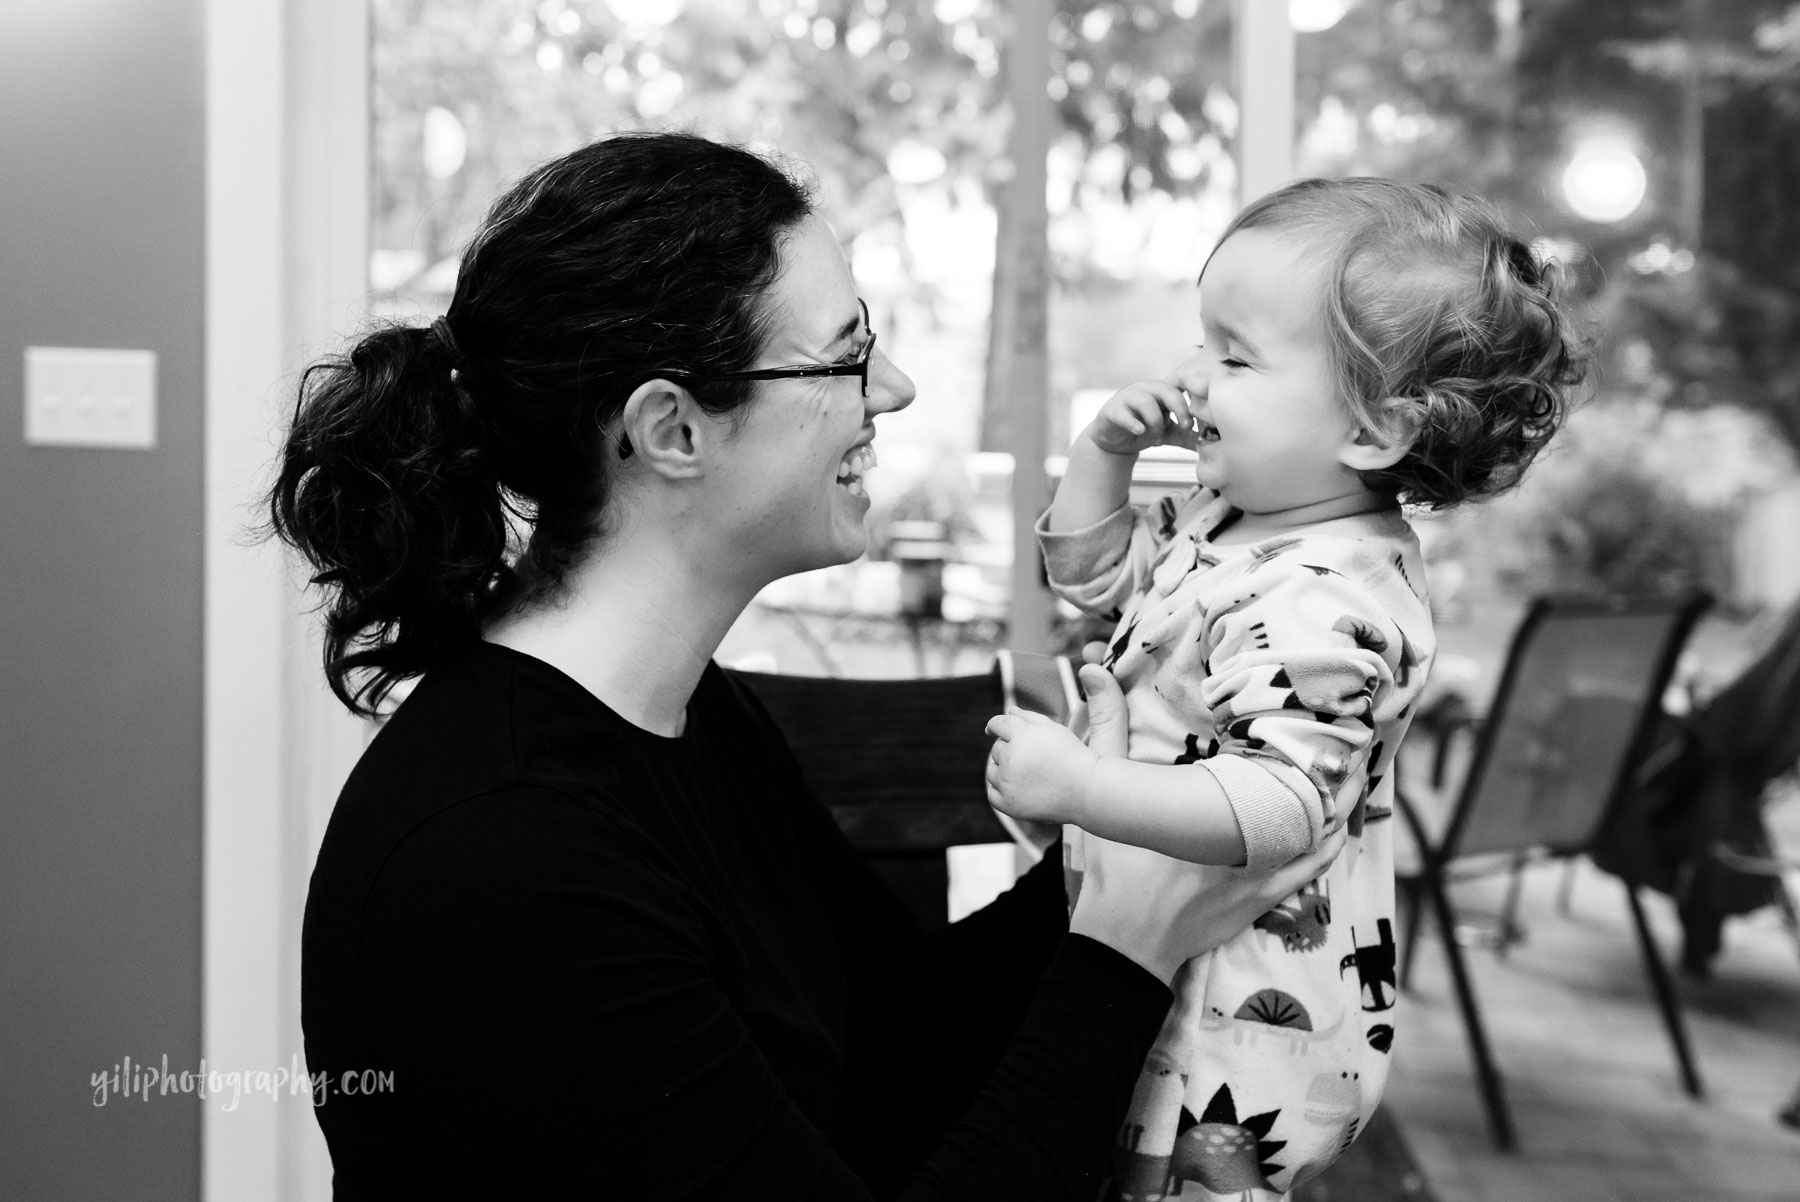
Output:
x,y
852,466
1205,432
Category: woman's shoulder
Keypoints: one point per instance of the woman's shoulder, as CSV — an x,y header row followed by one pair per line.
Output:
x,y
490,751
502,755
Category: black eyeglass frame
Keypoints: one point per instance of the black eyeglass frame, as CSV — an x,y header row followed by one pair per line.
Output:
x,y
857,367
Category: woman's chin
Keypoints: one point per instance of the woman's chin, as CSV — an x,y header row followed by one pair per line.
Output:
x,y
850,542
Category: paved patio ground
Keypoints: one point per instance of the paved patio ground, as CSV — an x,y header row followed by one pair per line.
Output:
x,y
1588,1068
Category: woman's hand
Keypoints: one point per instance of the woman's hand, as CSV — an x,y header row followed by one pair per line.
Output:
x,y
1161,912
1139,416
1037,769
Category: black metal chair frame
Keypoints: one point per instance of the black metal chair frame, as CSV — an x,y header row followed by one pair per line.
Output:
x,y
901,764
1428,887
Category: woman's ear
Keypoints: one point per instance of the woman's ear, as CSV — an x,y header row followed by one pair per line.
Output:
x,y
662,427
1397,428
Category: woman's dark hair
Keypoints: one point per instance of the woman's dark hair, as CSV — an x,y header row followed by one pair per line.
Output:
x,y
1430,302
414,457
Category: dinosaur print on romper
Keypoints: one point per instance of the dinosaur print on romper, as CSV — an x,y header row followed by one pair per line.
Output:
x,y
1288,669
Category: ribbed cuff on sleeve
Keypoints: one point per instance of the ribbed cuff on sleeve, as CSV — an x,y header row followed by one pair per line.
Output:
x,y
1273,822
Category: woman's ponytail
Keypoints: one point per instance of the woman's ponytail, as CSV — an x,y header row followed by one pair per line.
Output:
x,y
383,489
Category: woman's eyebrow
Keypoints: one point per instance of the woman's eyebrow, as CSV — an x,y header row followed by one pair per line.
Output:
x,y
848,328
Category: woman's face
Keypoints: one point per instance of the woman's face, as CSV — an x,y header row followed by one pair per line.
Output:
x,y
792,478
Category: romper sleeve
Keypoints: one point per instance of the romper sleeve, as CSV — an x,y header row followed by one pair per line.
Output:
x,y
1298,658
1097,568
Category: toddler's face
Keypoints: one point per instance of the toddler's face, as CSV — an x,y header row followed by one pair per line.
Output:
x,y
1272,429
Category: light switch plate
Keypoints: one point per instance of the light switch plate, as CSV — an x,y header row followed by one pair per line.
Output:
x,y
88,397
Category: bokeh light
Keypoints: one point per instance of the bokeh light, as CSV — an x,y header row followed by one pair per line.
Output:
x,y
1316,16
1604,181
446,143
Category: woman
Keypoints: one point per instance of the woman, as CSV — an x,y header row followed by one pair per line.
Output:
x,y
574,896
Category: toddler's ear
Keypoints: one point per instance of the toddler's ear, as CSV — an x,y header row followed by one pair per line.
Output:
x,y
1371,450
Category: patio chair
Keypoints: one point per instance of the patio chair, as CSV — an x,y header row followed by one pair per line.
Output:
x,y
901,763
1575,707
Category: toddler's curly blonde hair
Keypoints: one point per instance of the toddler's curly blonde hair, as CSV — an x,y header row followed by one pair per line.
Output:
x,y
1440,323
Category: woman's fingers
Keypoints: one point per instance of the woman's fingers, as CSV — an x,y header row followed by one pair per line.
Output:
x,y
1161,912
1108,730
1308,866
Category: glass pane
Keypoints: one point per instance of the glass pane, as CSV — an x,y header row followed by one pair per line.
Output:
x,y
894,106
1142,181
1648,150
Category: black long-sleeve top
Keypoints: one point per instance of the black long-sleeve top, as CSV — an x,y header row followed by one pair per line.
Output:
x,y
613,964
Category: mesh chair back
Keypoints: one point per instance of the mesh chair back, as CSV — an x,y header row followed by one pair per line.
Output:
x,y
1582,684
900,763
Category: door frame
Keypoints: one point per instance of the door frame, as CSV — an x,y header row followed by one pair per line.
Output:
x,y
287,135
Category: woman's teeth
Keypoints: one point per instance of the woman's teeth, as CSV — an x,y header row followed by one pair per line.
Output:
x,y
852,466
1207,433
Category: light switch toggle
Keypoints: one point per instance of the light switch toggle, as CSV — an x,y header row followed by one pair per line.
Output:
x,y
90,397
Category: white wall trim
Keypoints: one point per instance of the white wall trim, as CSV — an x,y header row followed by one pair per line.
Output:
x,y
286,231
1264,54
243,596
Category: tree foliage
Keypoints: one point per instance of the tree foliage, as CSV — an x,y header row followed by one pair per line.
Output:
x,y
837,85
1488,95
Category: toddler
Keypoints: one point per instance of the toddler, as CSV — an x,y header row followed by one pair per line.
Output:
x,y
1367,343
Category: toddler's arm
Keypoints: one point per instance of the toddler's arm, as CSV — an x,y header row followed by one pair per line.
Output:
x,y
1039,769
1098,478
1097,550
1298,666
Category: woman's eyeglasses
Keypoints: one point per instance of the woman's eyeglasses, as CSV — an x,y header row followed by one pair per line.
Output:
x,y
858,367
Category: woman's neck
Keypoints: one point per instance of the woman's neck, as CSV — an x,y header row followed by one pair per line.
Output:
x,y
634,627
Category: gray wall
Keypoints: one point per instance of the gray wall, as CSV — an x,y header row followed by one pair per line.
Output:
x,y
101,228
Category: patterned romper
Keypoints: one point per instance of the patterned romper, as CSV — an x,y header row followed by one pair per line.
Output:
x,y
1289,669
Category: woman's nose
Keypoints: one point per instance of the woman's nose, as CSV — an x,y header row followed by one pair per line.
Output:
x,y
889,387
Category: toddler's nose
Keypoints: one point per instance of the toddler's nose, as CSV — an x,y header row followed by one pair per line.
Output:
x,y
1191,375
